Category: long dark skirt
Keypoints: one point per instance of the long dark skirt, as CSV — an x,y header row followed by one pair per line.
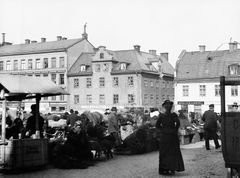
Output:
x,y
170,157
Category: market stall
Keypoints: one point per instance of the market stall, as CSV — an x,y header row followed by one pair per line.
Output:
x,y
30,152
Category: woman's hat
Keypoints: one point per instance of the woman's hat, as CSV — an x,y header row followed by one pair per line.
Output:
x,y
167,102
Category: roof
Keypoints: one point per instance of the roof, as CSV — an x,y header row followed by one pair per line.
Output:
x,y
40,47
136,61
21,87
205,65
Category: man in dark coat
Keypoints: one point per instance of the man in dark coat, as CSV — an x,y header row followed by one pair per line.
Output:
x,y
113,126
210,120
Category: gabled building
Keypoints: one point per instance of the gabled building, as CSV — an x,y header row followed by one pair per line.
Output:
x,y
50,59
124,78
198,78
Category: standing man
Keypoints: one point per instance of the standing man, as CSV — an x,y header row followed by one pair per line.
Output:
x,y
210,119
72,118
113,126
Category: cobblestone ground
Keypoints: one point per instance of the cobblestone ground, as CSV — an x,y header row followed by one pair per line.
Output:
x,y
199,163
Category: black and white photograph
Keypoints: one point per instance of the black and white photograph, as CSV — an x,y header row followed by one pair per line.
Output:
x,y
119,88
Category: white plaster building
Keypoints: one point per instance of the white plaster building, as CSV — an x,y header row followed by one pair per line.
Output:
x,y
198,78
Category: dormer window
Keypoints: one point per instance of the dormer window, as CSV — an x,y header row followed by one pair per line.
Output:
x,y
101,55
123,66
233,69
152,68
82,68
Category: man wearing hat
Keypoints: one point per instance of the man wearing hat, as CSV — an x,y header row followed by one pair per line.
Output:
x,y
235,107
210,120
113,127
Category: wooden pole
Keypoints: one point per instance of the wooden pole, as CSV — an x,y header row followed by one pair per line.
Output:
x,y
222,92
38,98
3,129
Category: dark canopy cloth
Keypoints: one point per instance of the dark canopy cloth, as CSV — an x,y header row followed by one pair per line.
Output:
x,y
170,157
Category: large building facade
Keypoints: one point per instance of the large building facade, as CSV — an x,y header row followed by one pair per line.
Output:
x,y
124,78
198,74
50,59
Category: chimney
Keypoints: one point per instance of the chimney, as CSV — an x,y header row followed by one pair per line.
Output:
x,y
59,38
202,48
153,52
34,41
85,35
27,41
43,40
232,46
235,45
165,55
137,48
3,38
64,38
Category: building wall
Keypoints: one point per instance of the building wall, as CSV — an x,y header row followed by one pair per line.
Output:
x,y
210,98
40,72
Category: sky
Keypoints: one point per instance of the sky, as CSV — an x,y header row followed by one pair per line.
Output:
x,y
164,25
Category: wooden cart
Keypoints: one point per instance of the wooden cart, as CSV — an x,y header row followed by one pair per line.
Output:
x,y
24,153
230,131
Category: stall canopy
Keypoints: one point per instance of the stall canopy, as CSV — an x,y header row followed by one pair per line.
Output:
x,y
19,87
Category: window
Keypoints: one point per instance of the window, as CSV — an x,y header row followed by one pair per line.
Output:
x,y
130,81
45,75
157,84
123,66
61,108
54,62
45,63
202,90
145,99
115,99
89,99
75,83
163,97
101,82
151,99
101,55
8,65
145,83
15,65
53,109
157,100
234,90
163,84
61,79
88,82
45,98
23,64
97,68
53,98
167,84
30,64
82,68
115,81
61,62
37,75
152,68
61,97
76,99
53,77
233,70
185,90
131,99
38,64
1,65
101,99
217,90
151,83
105,67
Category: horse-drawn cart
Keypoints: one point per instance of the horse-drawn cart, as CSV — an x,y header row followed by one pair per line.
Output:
x,y
230,131
24,153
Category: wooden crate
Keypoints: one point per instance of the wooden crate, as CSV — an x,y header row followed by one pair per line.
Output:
x,y
24,153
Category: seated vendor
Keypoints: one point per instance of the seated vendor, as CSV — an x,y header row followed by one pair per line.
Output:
x,y
31,123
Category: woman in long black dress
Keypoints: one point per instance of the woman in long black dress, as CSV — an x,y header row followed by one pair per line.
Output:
x,y
170,157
